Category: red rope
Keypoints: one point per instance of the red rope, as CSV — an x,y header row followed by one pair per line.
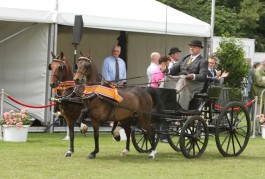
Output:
x,y
246,105
30,106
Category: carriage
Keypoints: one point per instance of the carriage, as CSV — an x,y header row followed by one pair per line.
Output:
x,y
188,130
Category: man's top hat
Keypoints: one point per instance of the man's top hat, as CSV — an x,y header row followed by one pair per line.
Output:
x,y
196,43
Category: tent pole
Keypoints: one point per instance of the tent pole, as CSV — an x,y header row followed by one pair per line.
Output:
x,y
1,111
212,26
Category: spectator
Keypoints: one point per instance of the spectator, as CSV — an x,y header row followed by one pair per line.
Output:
x,y
153,65
174,55
258,86
157,72
114,68
251,76
191,74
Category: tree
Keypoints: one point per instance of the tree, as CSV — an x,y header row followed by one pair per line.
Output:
x,y
231,56
240,18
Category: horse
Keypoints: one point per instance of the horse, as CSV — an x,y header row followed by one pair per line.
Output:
x,y
136,102
61,80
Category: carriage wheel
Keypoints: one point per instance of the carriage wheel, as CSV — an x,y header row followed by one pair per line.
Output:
x,y
140,140
173,135
232,130
194,137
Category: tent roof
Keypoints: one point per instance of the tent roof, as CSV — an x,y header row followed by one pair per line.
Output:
x,y
147,16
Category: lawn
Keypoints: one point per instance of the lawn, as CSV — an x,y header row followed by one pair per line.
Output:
x,y
42,156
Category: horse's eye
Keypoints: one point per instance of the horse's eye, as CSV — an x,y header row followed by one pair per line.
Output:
x,y
75,66
61,68
50,67
87,65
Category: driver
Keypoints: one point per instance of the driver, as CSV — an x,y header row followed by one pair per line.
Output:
x,y
188,76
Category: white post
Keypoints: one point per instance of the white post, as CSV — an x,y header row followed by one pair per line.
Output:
x,y
212,26
1,111
254,117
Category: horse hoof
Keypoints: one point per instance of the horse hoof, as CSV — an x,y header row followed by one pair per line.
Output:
x,y
125,152
117,138
92,156
151,157
68,154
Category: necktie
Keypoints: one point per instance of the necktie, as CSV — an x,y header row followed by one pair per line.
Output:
x,y
212,72
190,61
117,76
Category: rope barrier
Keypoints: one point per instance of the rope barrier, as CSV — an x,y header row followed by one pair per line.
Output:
x,y
29,106
246,105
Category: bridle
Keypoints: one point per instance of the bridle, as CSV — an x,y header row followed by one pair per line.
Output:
x,y
61,68
87,65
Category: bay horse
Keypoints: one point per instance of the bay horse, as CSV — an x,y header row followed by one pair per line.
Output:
x,y
61,80
136,102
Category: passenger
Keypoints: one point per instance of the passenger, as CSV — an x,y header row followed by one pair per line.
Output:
x,y
174,56
214,76
158,74
153,65
189,75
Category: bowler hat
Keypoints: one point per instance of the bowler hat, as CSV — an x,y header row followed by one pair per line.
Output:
x,y
174,50
196,43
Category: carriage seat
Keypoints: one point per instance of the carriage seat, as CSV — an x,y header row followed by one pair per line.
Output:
x,y
213,94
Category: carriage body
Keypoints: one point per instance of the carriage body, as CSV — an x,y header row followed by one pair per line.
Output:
x,y
188,130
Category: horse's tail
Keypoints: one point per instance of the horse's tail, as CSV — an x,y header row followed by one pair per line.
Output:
x,y
153,95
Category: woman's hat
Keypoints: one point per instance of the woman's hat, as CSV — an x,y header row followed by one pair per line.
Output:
x,y
174,50
196,43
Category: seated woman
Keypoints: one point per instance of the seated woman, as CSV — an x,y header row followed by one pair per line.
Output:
x,y
158,74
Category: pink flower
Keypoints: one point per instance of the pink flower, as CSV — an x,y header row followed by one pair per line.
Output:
x,y
16,119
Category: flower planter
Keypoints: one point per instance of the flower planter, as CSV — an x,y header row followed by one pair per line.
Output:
x,y
263,131
15,134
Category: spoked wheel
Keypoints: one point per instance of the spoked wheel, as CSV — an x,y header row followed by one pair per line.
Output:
x,y
194,137
173,135
232,130
140,140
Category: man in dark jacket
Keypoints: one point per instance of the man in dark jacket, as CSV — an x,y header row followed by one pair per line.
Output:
x,y
189,75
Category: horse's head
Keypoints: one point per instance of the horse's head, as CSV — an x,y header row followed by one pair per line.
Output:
x,y
83,70
60,70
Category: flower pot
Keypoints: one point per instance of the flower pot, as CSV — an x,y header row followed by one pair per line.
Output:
x,y
263,131
15,134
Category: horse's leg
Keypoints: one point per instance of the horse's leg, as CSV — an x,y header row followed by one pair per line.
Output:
x,y
115,131
95,125
145,120
71,133
82,116
127,129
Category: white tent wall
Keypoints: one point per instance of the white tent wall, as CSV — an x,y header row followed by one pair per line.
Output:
x,y
23,65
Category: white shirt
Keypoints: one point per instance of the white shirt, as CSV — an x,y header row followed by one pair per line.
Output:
x,y
150,70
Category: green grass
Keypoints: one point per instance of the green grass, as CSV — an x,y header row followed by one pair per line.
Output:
x,y
42,156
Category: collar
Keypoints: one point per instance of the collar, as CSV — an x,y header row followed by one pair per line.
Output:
x,y
194,57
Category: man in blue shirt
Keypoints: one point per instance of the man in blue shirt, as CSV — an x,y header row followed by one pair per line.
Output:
x,y
109,70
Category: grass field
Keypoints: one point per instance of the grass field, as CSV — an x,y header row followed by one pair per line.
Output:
x,y
42,156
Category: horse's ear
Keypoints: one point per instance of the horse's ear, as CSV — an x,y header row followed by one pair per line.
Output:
x,y
53,56
81,53
61,54
88,54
